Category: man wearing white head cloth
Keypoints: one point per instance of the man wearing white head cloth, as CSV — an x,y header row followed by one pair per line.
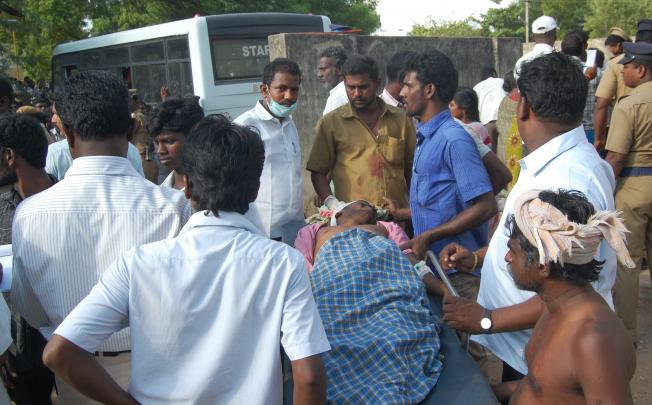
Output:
x,y
579,351
549,119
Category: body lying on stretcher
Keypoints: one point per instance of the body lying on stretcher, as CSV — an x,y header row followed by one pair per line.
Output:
x,y
374,307
389,343
361,215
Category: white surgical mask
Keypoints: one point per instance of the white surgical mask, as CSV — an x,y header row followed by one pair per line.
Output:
x,y
280,110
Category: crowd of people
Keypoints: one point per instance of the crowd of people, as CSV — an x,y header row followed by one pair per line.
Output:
x,y
164,256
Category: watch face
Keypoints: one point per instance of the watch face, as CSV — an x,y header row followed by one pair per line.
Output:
x,y
485,323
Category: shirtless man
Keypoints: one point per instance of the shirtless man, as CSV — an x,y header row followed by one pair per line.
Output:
x,y
361,214
579,351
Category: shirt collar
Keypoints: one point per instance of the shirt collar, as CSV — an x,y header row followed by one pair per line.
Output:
x,y
347,111
427,129
336,88
103,165
542,47
645,88
390,99
547,152
226,219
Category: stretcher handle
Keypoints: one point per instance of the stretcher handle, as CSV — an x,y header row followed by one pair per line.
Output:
x,y
442,273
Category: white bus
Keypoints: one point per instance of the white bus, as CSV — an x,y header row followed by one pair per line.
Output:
x,y
219,58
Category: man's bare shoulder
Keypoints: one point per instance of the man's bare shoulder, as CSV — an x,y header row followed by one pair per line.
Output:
x,y
599,338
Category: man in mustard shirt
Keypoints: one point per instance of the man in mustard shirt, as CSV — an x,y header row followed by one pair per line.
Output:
x,y
365,146
629,151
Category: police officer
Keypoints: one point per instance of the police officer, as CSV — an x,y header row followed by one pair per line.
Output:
x,y
612,89
629,151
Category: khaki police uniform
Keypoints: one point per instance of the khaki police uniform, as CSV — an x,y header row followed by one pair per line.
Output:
x,y
611,84
631,135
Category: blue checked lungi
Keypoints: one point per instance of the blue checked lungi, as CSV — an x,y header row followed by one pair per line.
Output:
x,y
384,339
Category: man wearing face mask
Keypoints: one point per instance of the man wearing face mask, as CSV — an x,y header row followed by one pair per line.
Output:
x,y
278,209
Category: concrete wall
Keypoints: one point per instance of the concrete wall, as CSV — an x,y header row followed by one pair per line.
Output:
x,y
469,55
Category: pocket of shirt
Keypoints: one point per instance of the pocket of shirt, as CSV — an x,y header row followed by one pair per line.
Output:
x,y
394,150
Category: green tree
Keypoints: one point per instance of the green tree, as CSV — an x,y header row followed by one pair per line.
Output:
x,y
120,15
46,23
509,21
604,14
440,28
570,14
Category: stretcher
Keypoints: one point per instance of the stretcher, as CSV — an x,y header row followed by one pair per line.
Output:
x,y
461,381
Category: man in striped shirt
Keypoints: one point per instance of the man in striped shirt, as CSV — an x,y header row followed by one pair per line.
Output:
x,y
66,236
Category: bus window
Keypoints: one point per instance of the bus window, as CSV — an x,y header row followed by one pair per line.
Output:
x,y
180,84
148,79
240,58
116,56
149,52
178,48
90,59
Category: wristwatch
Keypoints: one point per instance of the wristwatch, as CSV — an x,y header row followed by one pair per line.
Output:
x,y
486,322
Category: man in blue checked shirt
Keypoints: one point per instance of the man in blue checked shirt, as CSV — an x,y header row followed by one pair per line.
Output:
x,y
451,196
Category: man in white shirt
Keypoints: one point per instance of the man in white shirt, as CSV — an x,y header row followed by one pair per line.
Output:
x,y
395,73
227,297
544,34
490,93
65,236
278,209
549,120
329,72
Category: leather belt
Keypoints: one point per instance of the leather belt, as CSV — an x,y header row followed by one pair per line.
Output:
x,y
636,171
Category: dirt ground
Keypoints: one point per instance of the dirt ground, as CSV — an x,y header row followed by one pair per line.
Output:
x,y
641,383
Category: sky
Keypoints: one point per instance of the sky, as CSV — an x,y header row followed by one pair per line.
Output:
x,y
398,16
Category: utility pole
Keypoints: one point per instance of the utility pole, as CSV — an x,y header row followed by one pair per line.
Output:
x,y
527,21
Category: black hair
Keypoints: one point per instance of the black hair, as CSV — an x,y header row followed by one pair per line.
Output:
x,y
435,67
509,82
467,100
644,36
280,65
578,209
360,65
395,68
175,115
646,63
223,162
6,89
488,72
613,40
336,54
25,135
583,35
555,88
94,105
572,45
599,57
